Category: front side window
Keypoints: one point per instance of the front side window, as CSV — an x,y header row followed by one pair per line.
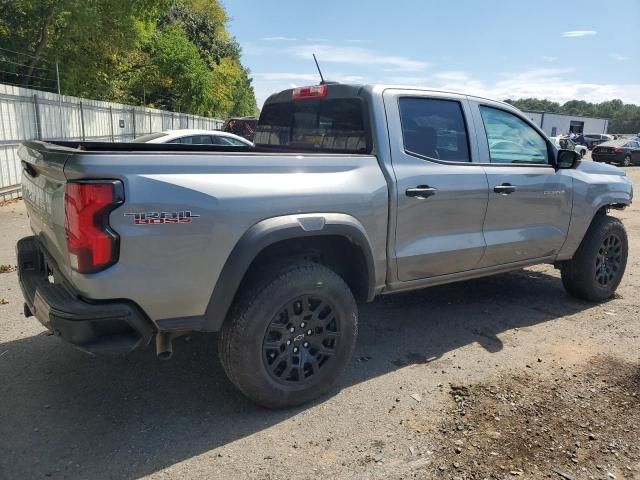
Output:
x,y
511,139
434,128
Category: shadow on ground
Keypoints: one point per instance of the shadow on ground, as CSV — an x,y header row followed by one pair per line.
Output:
x,y
125,418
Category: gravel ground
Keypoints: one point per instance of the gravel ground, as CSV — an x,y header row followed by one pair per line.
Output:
x,y
502,377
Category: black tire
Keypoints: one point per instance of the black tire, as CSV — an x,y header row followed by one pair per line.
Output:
x,y
597,268
258,329
627,161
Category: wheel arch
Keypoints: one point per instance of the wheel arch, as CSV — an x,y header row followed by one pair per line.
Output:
x,y
270,236
580,224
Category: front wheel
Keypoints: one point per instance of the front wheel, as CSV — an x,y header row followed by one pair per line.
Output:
x,y
290,334
597,268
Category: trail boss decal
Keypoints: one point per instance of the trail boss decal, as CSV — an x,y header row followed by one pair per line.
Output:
x,y
162,218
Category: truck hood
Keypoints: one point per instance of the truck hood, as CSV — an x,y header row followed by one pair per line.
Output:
x,y
587,166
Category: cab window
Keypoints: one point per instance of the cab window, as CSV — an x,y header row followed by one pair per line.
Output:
x,y
511,139
322,125
434,128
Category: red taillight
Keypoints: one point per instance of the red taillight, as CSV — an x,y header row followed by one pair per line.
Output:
x,y
617,150
315,91
92,245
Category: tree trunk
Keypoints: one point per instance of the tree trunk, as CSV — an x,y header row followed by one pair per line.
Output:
x,y
42,42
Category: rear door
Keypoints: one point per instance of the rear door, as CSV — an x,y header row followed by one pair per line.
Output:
x,y
529,201
441,195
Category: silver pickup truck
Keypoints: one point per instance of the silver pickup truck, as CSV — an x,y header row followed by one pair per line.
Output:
x,y
350,192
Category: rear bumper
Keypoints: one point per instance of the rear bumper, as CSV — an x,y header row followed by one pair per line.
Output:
x,y
111,328
599,157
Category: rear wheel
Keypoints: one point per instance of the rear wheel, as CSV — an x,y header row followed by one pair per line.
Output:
x,y
627,160
597,268
290,335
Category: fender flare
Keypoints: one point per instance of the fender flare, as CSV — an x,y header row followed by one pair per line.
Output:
x,y
577,230
268,232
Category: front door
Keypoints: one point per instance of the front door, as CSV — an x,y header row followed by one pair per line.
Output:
x,y
529,201
441,196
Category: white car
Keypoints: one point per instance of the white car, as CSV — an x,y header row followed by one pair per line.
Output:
x,y
195,137
568,144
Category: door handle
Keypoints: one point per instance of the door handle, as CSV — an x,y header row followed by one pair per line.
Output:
x,y
29,169
421,191
504,189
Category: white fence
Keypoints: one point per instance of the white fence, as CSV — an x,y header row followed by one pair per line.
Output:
x,y
27,114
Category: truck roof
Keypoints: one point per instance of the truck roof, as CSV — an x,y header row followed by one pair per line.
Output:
x,y
345,90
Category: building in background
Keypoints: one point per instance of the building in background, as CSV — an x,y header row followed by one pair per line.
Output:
x,y
554,124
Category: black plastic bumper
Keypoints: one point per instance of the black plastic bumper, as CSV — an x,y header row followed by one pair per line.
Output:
x,y
99,328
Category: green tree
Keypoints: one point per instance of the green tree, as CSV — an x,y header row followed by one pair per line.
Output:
x,y
168,53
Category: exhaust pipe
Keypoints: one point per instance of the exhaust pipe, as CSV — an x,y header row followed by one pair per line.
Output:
x,y
164,349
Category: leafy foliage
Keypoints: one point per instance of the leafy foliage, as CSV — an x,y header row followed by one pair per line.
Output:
x,y
623,118
174,54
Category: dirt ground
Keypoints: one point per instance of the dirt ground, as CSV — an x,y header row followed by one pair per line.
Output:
x,y
502,377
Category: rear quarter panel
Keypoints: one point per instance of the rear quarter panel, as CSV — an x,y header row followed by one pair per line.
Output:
x,y
170,270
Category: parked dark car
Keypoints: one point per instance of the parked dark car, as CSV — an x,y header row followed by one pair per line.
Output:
x,y
244,126
625,152
593,139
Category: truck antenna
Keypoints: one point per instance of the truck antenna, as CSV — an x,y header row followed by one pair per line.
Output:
x,y
322,82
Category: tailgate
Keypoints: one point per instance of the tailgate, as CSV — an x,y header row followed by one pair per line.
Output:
x,y
43,184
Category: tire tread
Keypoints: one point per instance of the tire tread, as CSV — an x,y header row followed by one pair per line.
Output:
x,y
230,340
576,273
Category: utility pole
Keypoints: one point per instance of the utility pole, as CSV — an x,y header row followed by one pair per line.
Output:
x,y
58,77
59,100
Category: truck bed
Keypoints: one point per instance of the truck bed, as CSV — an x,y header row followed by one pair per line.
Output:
x,y
174,147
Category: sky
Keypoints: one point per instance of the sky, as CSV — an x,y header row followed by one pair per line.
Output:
x,y
558,50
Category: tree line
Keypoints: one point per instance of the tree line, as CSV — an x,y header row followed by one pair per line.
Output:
x,y
169,54
623,117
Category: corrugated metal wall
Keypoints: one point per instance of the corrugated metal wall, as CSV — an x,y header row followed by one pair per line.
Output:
x,y
558,124
27,114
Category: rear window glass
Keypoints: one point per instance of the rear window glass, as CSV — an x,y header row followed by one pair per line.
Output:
x,y
148,138
327,125
193,140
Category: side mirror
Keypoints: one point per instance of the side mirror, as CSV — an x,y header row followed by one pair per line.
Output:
x,y
567,159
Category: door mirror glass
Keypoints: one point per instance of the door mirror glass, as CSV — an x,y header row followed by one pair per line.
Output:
x,y
567,159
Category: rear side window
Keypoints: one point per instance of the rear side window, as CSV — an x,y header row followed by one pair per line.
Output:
x,y
220,140
326,125
511,139
434,128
